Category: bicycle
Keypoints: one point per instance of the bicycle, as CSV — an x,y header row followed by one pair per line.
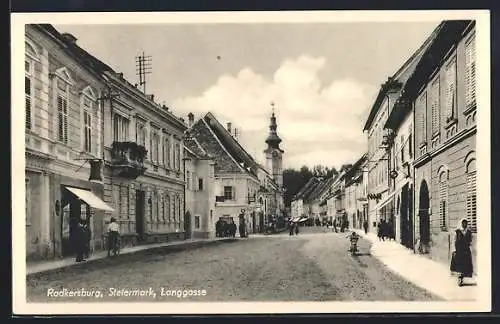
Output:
x,y
115,249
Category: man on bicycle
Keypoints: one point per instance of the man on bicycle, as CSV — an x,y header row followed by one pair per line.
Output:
x,y
113,235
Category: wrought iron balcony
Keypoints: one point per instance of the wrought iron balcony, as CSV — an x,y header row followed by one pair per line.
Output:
x,y
127,159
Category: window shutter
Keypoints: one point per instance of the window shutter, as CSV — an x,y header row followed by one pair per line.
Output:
x,y
27,92
443,193
471,200
470,73
450,88
422,107
435,106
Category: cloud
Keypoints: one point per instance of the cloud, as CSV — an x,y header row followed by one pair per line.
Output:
x,y
319,124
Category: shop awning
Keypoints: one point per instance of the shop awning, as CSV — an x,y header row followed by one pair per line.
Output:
x,y
387,199
89,198
384,201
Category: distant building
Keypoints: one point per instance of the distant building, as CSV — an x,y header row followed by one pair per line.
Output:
x,y
301,203
240,183
356,194
200,187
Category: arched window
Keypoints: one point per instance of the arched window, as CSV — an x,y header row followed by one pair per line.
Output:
x,y
443,199
63,82
470,200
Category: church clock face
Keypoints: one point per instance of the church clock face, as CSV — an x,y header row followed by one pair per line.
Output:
x,y
275,154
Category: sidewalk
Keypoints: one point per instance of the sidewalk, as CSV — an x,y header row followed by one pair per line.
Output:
x,y
428,274
44,266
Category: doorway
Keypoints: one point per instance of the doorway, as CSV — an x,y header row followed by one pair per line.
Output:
x,y
423,213
140,199
406,229
187,224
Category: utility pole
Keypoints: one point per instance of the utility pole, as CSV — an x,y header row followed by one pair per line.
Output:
x,y
143,68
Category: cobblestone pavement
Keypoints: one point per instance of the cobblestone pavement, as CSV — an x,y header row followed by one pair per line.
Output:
x,y
308,267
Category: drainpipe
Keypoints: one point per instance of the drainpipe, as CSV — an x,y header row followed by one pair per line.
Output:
x,y
413,194
184,195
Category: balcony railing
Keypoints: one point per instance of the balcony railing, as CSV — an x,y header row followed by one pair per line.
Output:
x,y
127,159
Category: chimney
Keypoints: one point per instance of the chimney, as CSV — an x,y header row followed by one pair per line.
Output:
x,y
190,119
69,38
151,97
229,128
236,134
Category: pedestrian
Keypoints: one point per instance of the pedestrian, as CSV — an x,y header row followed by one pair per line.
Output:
x,y
461,260
380,230
365,226
218,228
88,238
232,228
80,241
113,235
290,228
296,228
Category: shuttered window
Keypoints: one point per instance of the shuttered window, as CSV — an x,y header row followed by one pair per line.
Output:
x,y
471,195
443,201
166,209
470,73
421,116
154,145
62,110
166,151
141,133
178,156
28,91
435,109
451,88
87,124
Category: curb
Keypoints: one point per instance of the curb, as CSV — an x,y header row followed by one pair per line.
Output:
x,y
129,256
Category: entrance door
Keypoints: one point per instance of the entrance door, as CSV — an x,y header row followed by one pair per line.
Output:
x,y
410,218
261,222
405,229
423,213
140,199
187,224
254,223
69,225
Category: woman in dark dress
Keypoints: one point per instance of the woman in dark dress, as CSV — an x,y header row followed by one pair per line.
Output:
x,y
461,261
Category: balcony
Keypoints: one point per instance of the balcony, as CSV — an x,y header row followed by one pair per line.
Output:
x,y
127,159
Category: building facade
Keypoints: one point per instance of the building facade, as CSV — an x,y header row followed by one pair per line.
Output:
x,y
62,133
381,204
200,187
442,93
236,173
144,170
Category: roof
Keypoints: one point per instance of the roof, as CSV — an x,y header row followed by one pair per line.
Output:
x,y
322,187
442,39
234,148
193,147
82,55
210,138
306,188
98,67
397,80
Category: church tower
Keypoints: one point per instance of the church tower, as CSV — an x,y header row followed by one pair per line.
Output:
x,y
274,154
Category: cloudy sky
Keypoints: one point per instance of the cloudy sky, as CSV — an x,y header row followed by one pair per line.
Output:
x,y
322,77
